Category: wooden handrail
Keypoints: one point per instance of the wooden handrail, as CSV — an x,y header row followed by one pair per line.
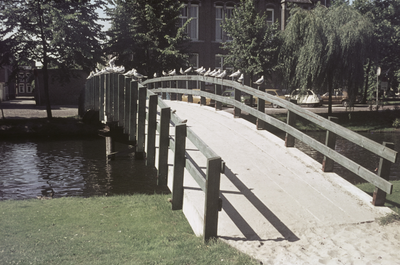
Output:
x,y
376,148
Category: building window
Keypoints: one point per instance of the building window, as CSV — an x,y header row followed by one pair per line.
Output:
x,y
222,13
270,16
28,88
21,88
21,77
187,12
219,61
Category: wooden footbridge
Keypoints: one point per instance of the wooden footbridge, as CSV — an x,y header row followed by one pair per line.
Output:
x,y
232,178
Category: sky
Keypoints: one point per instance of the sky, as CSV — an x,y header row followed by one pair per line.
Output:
x,y
106,24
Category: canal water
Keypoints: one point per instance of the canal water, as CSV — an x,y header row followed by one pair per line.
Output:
x,y
31,168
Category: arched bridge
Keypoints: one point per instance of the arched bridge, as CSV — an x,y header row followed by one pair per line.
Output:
x,y
267,188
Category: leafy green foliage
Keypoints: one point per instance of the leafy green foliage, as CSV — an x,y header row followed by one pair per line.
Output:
x,y
63,32
255,45
145,35
326,47
385,15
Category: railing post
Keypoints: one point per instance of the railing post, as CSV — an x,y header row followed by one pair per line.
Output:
x,y
291,120
179,95
120,98
96,93
330,141
115,98
151,131
133,110
140,134
173,96
218,91
127,104
260,124
379,195
202,88
107,102
162,174
179,166
212,204
190,96
238,96
88,96
101,99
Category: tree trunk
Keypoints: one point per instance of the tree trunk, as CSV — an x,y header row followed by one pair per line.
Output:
x,y
45,63
330,84
364,99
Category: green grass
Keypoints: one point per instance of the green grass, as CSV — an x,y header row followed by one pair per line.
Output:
x,y
392,200
138,229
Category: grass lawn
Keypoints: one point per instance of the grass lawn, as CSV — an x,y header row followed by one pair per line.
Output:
x,y
137,229
392,200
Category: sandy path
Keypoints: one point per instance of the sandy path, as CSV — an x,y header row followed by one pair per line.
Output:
x,y
367,243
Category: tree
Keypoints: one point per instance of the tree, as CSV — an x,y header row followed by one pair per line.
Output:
x,y
254,45
385,16
145,35
61,33
326,47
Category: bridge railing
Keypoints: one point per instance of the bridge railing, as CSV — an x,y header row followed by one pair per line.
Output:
x,y
384,151
124,103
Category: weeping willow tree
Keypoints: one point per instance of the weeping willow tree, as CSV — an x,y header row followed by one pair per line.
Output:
x,y
325,48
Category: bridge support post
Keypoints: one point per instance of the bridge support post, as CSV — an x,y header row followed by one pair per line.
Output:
x,y
96,92
379,195
140,134
218,91
127,104
101,99
330,141
179,166
202,88
107,102
120,79
151,131
162,174
110,148
291,120
133,98
212,201
237,111
260,124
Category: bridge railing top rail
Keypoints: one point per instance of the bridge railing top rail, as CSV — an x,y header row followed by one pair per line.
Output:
x,y
374,147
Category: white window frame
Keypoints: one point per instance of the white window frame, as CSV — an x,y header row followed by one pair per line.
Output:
x,y
192,11
28,88
218,21
271,21
21,88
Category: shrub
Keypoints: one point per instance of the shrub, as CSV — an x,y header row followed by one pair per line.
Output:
x,y
396,123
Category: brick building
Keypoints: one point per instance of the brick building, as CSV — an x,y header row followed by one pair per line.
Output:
x,y
24,80
5,85
205,28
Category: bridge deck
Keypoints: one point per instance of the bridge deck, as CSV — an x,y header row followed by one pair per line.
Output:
x,y
269,191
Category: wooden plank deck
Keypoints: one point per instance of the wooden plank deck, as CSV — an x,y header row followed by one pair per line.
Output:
x,y
269,191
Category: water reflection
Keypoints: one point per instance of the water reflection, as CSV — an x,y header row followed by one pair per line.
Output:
x,y
69,168
80,168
